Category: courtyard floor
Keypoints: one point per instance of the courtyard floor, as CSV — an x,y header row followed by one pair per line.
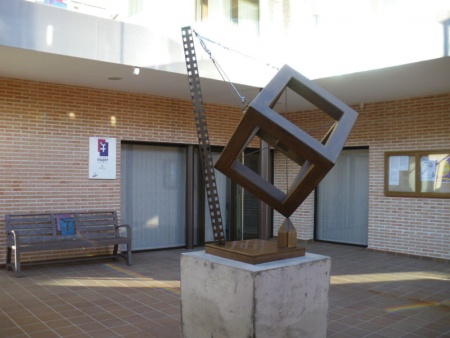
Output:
x,y
371,295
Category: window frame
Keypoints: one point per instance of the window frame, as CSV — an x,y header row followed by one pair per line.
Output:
x,y
417,175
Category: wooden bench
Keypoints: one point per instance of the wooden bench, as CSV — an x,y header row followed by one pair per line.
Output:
x,y
40,232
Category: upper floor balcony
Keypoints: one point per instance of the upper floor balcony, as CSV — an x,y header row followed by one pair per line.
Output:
x,y
249,38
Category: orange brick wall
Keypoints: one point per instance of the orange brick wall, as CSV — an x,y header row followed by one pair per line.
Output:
x,y
411,226
44,139
44,142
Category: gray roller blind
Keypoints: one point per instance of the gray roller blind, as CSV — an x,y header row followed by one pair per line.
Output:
x,y
153,182
343,200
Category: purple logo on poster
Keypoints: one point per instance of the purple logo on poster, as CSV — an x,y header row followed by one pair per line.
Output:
x,y
102,147
446,171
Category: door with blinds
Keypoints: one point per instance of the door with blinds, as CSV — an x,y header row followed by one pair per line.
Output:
x,y
343,200
153,190
239,208
249,221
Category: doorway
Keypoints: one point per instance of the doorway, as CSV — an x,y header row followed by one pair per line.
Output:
x,y
342,202
239,208
153,188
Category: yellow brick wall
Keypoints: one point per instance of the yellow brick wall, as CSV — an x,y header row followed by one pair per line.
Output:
x,y
44,139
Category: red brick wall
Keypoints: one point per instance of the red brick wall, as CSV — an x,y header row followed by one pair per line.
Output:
x,y
44,154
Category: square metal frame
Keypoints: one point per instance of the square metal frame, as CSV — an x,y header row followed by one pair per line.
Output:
x,y
315,157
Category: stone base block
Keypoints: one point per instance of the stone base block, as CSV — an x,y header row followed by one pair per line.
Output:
x,y
225,298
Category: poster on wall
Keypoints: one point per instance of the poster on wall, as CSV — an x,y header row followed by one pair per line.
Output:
x,y
427,169
102,158
444,170
396,165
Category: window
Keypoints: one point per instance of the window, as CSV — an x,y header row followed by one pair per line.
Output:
x,y
134,7
417,174
244,13
55,3
446,25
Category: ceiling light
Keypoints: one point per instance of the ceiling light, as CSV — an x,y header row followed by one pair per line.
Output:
x,y
136,70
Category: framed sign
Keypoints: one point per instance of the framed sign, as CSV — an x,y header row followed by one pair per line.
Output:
x,y
417,173
102,158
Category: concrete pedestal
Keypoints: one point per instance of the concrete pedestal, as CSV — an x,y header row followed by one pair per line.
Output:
x,y
225,298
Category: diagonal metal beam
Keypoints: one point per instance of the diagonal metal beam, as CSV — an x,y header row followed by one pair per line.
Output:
x,y
203,136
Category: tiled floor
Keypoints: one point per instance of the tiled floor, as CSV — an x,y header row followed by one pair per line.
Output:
x,y
371,295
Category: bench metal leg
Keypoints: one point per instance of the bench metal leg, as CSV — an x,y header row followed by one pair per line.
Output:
x,y
129,258
126,256
17,263
116,249
8,259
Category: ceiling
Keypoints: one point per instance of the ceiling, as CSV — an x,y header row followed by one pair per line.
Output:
x,y
400,82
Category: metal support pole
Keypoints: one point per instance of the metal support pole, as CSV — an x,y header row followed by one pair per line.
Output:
x,y
190,197
203,136
264,209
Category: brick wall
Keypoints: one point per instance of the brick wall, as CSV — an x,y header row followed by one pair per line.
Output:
x,y
44,142
411,226
44,139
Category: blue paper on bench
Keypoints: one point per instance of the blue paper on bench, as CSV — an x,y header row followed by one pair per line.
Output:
x,y
67,225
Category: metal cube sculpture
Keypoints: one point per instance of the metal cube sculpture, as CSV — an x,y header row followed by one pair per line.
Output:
x,y
316,158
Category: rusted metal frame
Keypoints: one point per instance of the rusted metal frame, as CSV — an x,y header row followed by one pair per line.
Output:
x,y
264,209
315,157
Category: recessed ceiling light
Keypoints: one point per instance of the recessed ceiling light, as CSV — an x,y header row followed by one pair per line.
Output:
x,y
114,78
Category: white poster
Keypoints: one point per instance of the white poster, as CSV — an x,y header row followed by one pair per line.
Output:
x,y
102,158
394,170
427,169
396,165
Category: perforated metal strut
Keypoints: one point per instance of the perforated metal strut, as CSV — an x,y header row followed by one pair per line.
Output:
x,y
203,136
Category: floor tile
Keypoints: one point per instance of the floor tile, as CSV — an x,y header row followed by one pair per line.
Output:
x,y
371,295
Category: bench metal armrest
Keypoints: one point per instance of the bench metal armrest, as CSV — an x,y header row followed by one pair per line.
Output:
x,y
15,236
128,227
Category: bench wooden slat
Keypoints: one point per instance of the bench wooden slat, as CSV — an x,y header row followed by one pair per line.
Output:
x,y
70,244
96,221
99,220
29,218
37,238
31,221
97,215
98,236
95,227
34,232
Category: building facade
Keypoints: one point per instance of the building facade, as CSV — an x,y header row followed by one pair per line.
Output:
x,y
45,130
